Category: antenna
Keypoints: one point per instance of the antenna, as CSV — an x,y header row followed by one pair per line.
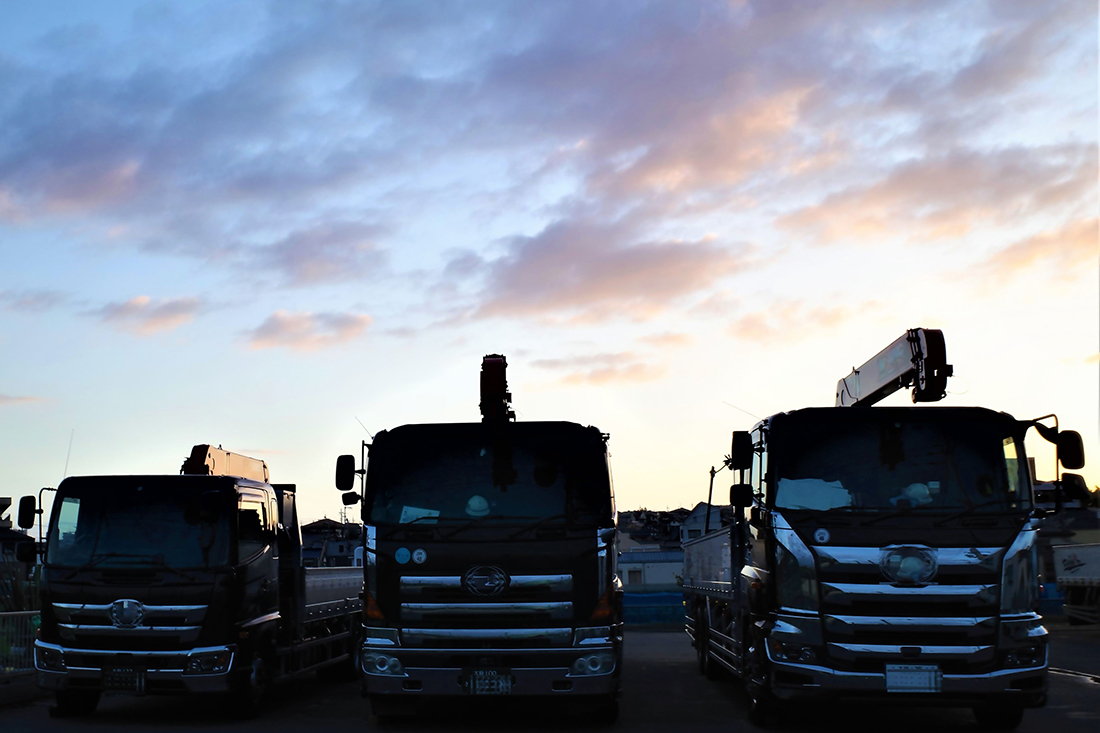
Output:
x,y
364,427
68,454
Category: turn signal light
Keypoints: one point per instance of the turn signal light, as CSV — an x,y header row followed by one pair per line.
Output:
x,y
371,609
604,609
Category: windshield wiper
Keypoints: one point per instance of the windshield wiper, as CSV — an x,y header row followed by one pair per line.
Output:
x,y
972,508
535,525
479,520
99,557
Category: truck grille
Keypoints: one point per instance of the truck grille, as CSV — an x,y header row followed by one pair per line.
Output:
x,y
534,610
868,620
90,626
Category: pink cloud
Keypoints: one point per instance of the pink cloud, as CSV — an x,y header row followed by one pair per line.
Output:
x,y
601,369
19,399
1066,252
146,316
307,331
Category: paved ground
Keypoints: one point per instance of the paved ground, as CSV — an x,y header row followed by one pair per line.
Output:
x,y
663,693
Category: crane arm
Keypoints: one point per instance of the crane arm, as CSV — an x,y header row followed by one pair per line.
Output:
x,y
918,359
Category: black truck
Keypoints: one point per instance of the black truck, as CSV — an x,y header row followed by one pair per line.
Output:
x,y
490,566
185,583
884,554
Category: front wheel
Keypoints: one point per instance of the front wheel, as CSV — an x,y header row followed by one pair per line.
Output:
x,y
999,716
74,703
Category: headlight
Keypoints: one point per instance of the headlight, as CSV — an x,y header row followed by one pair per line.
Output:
x,y
1028,656
214,661
600,663
49,659
795,582
1020,575
785,651
375,663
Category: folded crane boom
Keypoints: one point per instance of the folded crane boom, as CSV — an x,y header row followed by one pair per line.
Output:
x,y
918,359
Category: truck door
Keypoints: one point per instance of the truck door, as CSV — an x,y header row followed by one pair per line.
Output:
x,y
256,555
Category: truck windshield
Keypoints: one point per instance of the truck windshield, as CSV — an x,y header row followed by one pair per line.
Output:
x,y
901,463
139,524
431,475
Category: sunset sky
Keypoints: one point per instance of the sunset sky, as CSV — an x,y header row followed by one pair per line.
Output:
x,y
253,223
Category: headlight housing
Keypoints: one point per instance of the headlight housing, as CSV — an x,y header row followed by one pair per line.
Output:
x,y
795,579
598,663
208,661
374,662
48,659
1020,575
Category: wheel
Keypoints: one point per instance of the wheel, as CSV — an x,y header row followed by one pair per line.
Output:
x,y
607,712
74,703
761,707
999,716
253,688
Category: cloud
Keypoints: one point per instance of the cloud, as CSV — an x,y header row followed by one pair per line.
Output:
x,y
146,316
327,253
32,301
668,340
793,320
948,195
601,369
18,400
1094,359
588,272
307,331
1066,252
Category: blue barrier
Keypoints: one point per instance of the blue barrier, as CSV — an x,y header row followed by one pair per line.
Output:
x,y
651,609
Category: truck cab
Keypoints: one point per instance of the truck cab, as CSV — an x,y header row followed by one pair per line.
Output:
x,y
489,564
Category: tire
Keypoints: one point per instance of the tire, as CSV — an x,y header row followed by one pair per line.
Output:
x,y
607,713
254,683
761,709
74,703
999,716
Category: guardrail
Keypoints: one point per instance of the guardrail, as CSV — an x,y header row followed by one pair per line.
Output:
x,y
17,632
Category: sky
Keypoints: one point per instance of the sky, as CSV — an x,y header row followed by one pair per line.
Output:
x,y
258,224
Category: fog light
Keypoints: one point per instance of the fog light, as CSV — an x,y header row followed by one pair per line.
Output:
x,y
209,662
46,658
786,652
376,663
1028,656
593,664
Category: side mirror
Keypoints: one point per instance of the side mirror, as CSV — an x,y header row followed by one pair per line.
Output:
x,y
349,498
1071,450
741,495
27,512
26,552
345,473
1074,488
741,453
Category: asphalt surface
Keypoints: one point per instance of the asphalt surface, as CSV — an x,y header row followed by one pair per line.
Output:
x,y
662,693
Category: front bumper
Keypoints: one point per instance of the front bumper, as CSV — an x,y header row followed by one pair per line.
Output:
x,y
535,672
163,671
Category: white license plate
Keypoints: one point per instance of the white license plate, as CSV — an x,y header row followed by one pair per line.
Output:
x,y
913,678
489,682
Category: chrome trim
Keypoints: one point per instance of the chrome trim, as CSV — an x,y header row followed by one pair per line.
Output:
x,y
868,557
261,620
417,611
894,651
65,612
419,636
910,622
847,593
95,628
421,583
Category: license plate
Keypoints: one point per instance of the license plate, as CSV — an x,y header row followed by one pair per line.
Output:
x,y
124,679
913,678
488,682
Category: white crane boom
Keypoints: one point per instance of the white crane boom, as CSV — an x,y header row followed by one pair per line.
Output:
x,y
918,359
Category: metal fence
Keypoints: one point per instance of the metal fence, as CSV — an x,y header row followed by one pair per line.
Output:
x,y
17,631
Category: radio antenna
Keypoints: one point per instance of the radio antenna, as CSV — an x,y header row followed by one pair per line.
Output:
x,y
65,473
364,427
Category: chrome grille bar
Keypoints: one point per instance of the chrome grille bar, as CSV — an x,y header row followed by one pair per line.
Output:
x,y
417,611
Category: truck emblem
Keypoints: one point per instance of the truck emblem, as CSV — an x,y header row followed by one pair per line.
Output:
x,y
821,535
908,564
127,613
485,580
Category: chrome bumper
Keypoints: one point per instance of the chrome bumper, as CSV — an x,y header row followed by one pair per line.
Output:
x,y
535,671
164,670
